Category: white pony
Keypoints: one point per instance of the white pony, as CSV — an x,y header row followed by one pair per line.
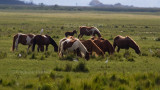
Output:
x,y
73,44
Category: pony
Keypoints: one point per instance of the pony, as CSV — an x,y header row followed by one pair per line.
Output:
x,y
24,39
91,46
42,40
72,44
104,45
125,43
88,31
70,33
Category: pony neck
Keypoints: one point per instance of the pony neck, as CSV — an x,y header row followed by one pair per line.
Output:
x,y
82,47
96,48
53,42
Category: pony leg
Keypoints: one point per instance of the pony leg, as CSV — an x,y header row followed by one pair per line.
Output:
x,y
38,48
118,49
46,47
28,48
16,46
79,35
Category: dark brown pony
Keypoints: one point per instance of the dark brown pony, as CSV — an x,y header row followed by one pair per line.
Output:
x,y
104,45
70,33
92,47
89,31
124,43
24,39
42,40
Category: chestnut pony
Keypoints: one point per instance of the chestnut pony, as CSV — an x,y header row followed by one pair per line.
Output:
x,y
104,45
125,43
89,31
92,47
42,40
24,39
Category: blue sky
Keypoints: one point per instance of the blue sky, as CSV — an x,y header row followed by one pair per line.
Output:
x,y
139,3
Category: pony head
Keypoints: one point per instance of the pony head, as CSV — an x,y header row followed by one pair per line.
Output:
x,y
75,31
134,45
137,50
53,44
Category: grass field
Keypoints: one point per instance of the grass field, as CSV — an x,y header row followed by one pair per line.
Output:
x,y
46,71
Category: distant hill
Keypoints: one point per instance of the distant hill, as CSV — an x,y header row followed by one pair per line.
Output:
x,y
14,2
97,3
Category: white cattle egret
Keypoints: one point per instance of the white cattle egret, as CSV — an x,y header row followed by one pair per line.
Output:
x,y
41,31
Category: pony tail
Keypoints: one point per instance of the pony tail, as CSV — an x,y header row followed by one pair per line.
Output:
x,y
13,46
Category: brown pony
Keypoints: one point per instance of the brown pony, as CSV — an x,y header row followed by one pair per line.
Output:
x,y
42,40
70,33
91,46
88,31
24,39
124,43
104,45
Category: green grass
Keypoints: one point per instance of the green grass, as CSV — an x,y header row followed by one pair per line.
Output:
x,y
125,70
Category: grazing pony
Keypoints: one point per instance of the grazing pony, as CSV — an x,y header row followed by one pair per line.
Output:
x,y
124,43
25,39
70,33
74,45
91,46
42,40
88,31
104,45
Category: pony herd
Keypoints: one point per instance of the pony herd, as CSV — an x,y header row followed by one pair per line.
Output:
x,y
82,48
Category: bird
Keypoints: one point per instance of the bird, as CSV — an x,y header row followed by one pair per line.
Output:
x,y
41,31
19,55
106,60
150,50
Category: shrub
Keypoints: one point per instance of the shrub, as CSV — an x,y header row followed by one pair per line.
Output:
x,y
46,87
52,75
113,77
68,79
131,59
57,68
143,38
68,67
81,67
86,86
33,56
29,86
42,57
62,86
157,53
3,55
157,80
47,54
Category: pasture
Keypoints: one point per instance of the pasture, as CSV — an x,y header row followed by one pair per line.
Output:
x,y
46,71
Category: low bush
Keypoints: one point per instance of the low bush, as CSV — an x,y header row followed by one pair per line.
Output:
x,y
46,87
3,55
81,67
68,67
33,56
29,86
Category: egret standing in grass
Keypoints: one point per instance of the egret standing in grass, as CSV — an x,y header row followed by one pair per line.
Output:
x,y
41,31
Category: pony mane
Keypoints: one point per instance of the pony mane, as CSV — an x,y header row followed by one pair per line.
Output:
x,y
97,29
